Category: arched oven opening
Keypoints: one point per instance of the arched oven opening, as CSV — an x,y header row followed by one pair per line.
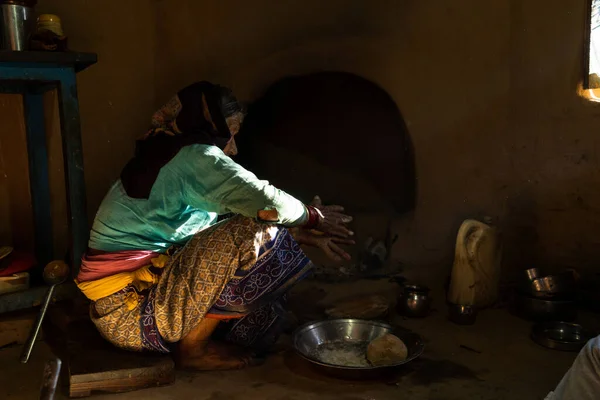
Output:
x,y
334,134
339,120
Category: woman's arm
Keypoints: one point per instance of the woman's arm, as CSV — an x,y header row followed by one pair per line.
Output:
x,y
216,178
211,177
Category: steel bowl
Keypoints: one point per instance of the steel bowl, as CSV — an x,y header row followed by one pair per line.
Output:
x,y
414,301
563,336
353,332
462,314
536,309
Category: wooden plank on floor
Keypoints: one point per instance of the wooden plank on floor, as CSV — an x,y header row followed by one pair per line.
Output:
x,y
96,365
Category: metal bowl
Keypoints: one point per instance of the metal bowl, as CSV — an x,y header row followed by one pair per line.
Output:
x,y
536,309
560,335
462,314
353,332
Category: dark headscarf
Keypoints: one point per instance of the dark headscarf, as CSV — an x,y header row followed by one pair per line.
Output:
x,y
197,114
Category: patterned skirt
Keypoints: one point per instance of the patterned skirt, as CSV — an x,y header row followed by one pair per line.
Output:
x,y
237,270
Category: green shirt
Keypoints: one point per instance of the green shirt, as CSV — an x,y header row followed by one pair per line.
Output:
x,y
191,190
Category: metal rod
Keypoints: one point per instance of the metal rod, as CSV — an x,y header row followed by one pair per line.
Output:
x,y
50,379
36,327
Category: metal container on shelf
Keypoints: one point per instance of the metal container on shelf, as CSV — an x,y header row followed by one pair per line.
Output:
x,y
17,24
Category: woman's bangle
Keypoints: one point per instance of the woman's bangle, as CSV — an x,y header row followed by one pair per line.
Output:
x,y
314,217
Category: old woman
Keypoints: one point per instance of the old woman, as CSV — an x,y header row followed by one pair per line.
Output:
x,y
189,252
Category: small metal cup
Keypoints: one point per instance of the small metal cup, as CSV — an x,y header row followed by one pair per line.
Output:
x,y
414,301
532,274
462,314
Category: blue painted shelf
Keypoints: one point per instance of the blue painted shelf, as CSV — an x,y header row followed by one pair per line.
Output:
x,y
31,73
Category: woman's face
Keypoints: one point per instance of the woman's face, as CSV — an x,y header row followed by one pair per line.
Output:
x,y
233,123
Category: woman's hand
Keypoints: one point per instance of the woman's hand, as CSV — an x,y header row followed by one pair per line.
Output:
x,y
332,220
328,244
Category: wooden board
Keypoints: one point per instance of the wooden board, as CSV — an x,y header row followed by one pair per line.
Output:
x,y
14,283
96,365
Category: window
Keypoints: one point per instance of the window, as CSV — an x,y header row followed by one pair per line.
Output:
x,y
593,67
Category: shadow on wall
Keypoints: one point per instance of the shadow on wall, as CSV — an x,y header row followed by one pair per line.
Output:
x,y
335,133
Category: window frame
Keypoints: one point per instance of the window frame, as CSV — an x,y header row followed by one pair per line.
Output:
x,y
587,47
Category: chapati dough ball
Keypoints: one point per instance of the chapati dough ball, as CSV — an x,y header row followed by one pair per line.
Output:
x,y
386,350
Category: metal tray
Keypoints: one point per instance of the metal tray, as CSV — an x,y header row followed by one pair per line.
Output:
x,y
309,337
563,336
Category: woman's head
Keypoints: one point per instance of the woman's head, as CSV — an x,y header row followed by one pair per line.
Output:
x,y
233,112
201,113
230,106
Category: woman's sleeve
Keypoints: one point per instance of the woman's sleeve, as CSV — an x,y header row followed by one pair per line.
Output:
x,y
217,179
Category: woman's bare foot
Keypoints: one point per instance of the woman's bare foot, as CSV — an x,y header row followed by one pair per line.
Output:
x,y
216,356
197,351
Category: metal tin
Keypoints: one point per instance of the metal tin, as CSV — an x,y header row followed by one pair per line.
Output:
x,y
17,24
